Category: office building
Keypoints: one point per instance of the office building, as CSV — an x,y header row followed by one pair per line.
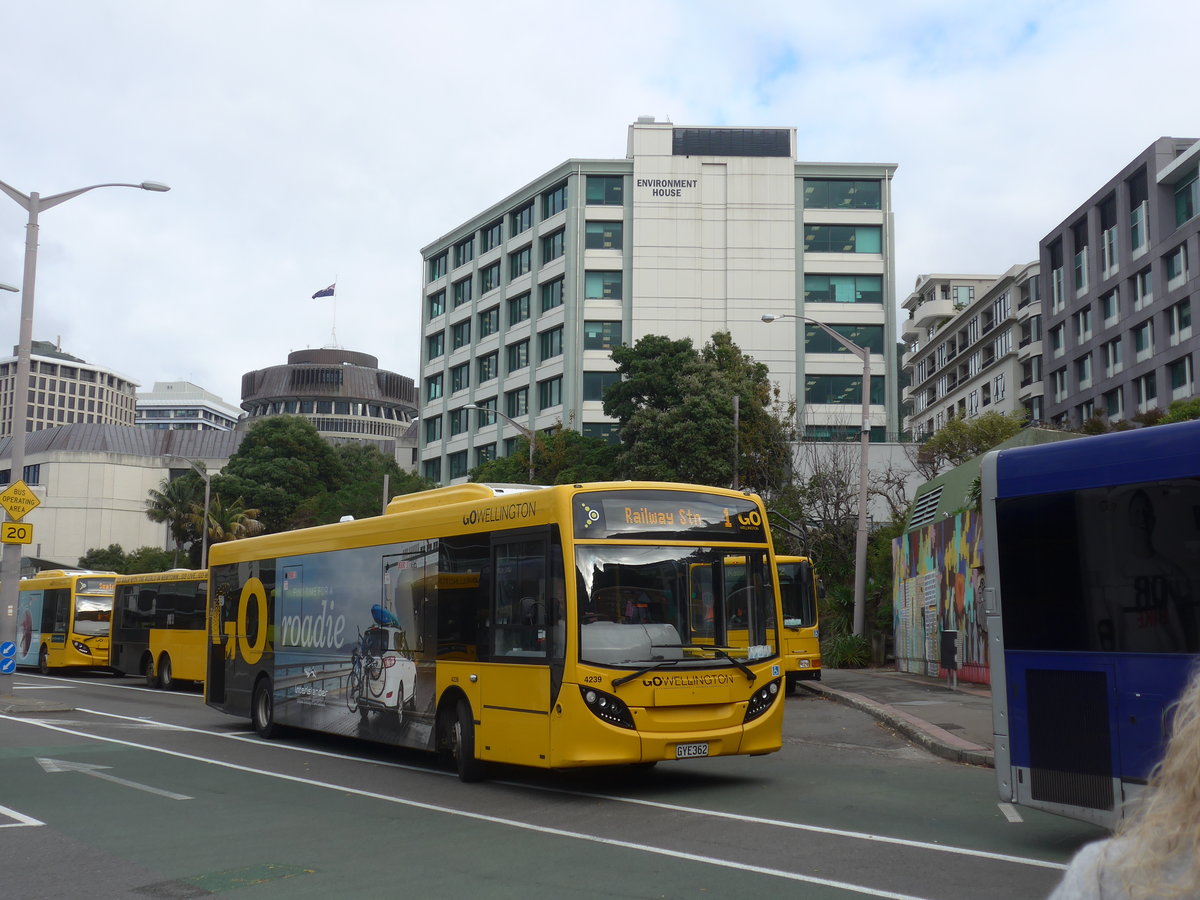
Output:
x,y
1118,279
183,406
697,230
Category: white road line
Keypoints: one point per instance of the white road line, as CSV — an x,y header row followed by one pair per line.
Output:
x,y
22,820
1010,812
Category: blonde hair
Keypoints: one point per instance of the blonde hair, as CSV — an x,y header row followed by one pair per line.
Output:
x,y
1161,836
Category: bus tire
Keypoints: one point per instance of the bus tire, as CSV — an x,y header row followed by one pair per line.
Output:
x,y
151,675
165,679
44,661
262,710
462,744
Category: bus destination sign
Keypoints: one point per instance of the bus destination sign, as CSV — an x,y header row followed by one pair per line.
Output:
x,y
667,515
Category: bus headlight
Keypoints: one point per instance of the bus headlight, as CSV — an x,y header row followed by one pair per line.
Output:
x,y
82,647
607,707
761,700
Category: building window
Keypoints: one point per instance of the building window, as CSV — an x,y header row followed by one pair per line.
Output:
x,y
489,367
1183,378
1083,371
437,266
596,383
552,246
1108,237
462,292
516,403
1179,322
841,389
550,393
491,236
1137,213
458,464
433,429
602,285
432,469
1143,289
552,294
460,334
1083,325
1110,307
1114,404
435,345
433,387
1112,358
603,236
1186,199
1146,389
818,340
820,193
1176,266
842,239
458,421
1143,341
554,200
520,262
437,304
460,378
485,454
464,251
489,322
601,335
520,219
489,278
550,344
1057,294
973,403
486,412
998,391
1058,339
1058,382
518,309
843,289
605,190
518,356
1080,235
609,432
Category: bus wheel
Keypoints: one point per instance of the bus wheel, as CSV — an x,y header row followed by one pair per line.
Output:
x,y
262,710
151,675
44,661
165,681
462,744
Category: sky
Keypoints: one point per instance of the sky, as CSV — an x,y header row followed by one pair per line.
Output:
x,y
307,143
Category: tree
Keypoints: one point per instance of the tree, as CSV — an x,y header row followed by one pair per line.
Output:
x,y
360,494
1182,411
108,559
229,522
962,439
560,456
175,502
281,463
114,559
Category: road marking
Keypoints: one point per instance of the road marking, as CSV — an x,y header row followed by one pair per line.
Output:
x,y
1010,812
54,766
22,820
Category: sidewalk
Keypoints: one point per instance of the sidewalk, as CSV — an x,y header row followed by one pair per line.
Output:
x,y
956,724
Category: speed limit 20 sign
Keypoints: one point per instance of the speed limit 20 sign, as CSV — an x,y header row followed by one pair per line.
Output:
x,y
16,533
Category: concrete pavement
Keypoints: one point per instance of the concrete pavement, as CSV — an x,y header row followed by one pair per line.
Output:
x,y
954,723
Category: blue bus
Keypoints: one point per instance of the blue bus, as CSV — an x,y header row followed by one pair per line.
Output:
x,y
1092,562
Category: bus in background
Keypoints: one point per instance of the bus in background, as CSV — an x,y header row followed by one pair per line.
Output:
x,y
63,619
552,627
159,626
1092,561
799,591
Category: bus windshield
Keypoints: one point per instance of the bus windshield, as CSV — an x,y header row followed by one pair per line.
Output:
x,y
796,592
644,604
92,615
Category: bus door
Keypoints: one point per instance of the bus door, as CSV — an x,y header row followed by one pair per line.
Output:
x,y
514,690
56,619
29,627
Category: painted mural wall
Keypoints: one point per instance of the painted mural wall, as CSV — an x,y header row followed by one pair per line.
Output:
x,y
937,574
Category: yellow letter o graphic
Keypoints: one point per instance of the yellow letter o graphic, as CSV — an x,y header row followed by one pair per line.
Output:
x,y
252,590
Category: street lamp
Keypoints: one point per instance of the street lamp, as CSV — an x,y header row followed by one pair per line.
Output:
x,y
860,546
203,473
10,564
515,424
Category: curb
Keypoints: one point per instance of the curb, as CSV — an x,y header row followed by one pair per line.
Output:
x,y
934,739
25,707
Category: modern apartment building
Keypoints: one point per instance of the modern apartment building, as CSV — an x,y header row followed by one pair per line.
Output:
x,y
973,347
1118,280
697,230
345,395
65,390
183,406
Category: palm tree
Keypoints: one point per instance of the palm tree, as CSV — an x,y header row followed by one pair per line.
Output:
x,y
232,522
175,503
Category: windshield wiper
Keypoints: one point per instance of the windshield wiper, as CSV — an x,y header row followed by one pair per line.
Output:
x,y
721,653
617,682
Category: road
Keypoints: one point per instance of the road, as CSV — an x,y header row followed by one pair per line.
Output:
x,y
139,793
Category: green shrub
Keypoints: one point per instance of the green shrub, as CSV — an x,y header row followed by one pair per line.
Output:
x,y
845,651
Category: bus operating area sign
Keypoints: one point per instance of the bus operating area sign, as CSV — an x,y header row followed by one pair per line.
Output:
x,y
17,500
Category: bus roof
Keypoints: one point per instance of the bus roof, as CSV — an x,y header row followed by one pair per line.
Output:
x,y
169,575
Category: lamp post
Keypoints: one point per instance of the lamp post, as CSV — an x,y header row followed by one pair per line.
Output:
x,y
203,473
515,424
10,565
860,545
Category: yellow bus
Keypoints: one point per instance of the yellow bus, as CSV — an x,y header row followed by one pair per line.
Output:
x,y
800,590
63,619
542,626
159,626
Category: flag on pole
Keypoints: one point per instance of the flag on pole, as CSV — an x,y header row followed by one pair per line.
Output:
x,y
327,292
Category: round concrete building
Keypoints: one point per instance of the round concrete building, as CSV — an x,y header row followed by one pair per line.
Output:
x,y
344,394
